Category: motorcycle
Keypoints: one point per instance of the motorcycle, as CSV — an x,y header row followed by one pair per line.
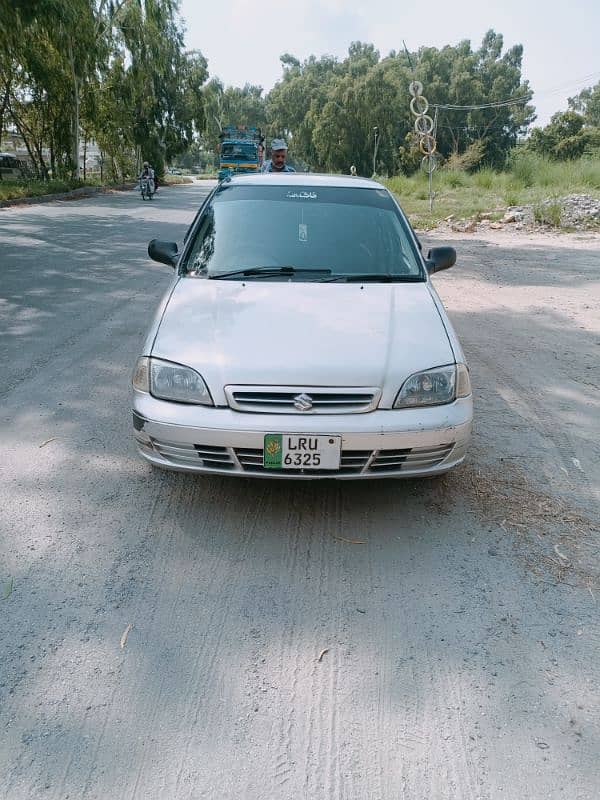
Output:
x,y
147,187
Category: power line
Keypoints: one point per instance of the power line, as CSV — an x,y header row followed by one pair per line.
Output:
x,y
573,82
498,104
512,101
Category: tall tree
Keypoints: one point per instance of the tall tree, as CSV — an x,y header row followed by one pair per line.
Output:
x,y
587,103
115,67
331,108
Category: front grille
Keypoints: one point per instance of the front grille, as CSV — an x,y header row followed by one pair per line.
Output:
x,y
195,455
411,459
250,460
280,400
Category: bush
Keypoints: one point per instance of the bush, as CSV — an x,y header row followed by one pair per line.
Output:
x,y
469,161
485,178
15,190
587,170
405,186
547,214
453,178
524,167
511,197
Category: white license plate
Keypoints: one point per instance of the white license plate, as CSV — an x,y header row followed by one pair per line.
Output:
x,y
301,451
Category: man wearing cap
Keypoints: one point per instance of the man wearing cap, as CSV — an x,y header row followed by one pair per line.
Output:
x,y
278,155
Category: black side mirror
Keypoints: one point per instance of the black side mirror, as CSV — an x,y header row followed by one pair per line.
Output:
x,y
439,258
164,252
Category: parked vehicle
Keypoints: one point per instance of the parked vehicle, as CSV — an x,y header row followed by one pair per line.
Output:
x,y
314,346
241,150
11,167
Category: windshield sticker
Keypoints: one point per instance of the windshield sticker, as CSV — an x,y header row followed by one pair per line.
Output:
x,y
301,195
303,232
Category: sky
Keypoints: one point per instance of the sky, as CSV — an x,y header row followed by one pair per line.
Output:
x,y
243,41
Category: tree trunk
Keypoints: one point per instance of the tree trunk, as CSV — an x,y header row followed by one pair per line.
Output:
x,y
75,118
3,110
34,152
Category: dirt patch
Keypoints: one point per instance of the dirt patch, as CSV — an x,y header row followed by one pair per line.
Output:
x,y
551,534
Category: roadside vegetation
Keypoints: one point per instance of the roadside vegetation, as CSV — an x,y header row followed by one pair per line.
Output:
x,y
174,180
14,190
116,77
529,180
116,74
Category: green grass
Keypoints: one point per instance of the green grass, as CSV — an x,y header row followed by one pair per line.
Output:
x,y
172,180
15,190
547,214
531,180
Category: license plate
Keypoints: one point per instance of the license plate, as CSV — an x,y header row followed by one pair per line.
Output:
x,y
299,451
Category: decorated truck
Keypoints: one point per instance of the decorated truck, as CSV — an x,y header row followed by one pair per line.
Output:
x,y
241,150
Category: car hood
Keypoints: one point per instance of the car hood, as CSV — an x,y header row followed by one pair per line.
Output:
x,y
291,333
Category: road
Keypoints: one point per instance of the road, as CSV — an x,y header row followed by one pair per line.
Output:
x,y
170,636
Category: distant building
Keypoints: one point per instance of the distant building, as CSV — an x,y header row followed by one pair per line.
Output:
x,y
12,142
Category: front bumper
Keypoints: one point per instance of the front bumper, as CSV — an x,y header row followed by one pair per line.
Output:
x,y
384,443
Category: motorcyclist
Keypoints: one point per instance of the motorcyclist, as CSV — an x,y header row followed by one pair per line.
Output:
x,y
149,174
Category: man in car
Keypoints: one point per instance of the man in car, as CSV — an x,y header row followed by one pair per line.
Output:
x,y
278,156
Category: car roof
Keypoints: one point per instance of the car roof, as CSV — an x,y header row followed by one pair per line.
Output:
x,y
305,179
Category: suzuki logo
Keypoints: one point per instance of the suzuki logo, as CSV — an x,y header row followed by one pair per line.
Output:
x,y
303,402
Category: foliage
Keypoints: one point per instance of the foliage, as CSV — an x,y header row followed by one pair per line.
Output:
x,y
15,190
172,180
524,165
329,108
116,72
245,106
110,70
565,137
528,180
470,159
587,103
547,214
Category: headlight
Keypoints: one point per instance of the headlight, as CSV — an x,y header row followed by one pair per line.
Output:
x,y
434,387
169,381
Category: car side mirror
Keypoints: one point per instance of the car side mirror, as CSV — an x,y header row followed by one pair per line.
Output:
x,y
439,258
164,252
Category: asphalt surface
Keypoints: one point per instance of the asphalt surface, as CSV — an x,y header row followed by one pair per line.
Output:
x,y
172,636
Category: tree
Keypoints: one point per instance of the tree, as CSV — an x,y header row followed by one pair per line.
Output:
x,y
566,137
115,68
330,108
459,76
587,103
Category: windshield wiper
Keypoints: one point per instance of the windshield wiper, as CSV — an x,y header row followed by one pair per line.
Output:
x,y
265,272
375,277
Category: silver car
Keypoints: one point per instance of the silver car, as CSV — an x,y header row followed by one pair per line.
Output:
x,y
302,337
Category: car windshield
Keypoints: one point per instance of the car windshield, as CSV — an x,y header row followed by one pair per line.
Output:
x,y
302,233
238,152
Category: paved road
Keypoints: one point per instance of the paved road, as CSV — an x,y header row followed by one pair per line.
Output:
x,y
416,640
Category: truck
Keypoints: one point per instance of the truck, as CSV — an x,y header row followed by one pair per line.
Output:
x,y
240,151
